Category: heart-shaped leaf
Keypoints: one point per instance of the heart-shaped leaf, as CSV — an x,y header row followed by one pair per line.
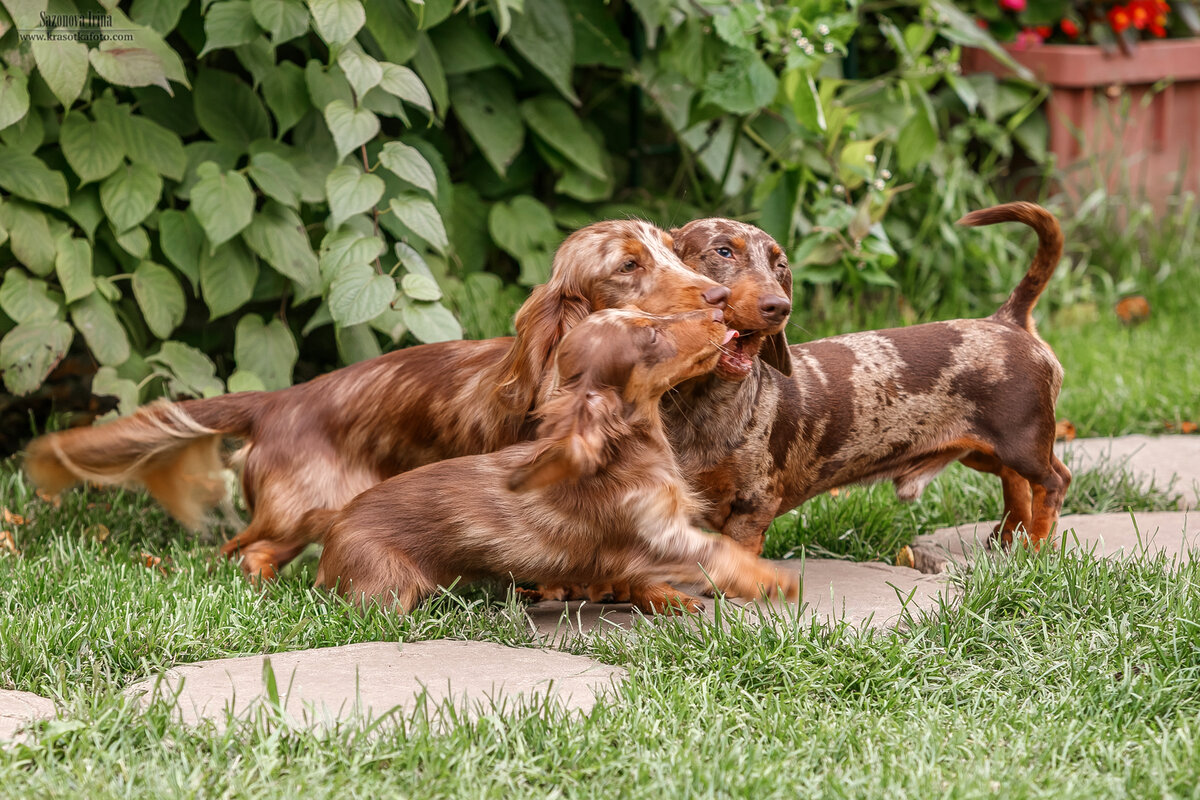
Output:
x,y
227,277
223,202
283,19
63,66
408,164
487,108
26,176
362,71
277,235
422,218
108,383
74,267
359,294
351,191
351,127
420,287
268,351
29,351
402,82
543,34
431,322
556,123
129,66
160,297
25,299
130,194
229,23
276,178
96,320
337,21
14,96
192,373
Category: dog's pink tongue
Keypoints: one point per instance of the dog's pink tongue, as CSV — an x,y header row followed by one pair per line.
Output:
x,y
730,335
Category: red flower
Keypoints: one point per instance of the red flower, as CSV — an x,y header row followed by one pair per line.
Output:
x,y
1157,26
1069,28
1013,5
1118,18
1044,31
1138,15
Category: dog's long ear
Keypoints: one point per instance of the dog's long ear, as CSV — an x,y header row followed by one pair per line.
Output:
x,y
541,322
775,349
579,427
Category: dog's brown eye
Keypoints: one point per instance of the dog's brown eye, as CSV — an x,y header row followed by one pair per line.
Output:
x,y
724,252
628,266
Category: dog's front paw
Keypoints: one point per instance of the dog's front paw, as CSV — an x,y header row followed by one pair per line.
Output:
x,y
664,599
615,592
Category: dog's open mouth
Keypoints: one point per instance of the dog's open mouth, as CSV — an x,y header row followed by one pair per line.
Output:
x,y
737,357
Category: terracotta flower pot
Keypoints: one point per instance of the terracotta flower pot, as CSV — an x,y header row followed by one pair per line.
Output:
x,y
1135,119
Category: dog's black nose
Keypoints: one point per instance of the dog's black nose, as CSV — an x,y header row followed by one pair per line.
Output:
x,y
774,309
716,296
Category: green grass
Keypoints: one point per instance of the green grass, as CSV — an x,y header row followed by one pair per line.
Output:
x,y
1056,675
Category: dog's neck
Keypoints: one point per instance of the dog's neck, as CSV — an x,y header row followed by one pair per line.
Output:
x,y
705,418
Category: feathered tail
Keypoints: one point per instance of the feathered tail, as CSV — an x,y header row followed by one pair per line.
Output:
x,y
171,449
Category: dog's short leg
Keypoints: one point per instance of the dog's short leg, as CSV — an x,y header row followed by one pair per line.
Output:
x,y
748,523
1049,490
262,555
1017,509
1048,502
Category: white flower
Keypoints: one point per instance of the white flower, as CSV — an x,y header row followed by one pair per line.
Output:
x,y
839,190
828,48
878,184
823,29
870,158
809,49
795,33
885,174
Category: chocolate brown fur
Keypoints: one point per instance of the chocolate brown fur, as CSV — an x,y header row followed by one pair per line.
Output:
x,y
897,404
318,444
598,494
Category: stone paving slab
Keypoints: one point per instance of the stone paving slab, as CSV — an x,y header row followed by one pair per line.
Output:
x,y
367,681
859,594
18,709
1155,458
1107,535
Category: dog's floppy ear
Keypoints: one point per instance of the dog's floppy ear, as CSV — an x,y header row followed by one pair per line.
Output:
x,y
775,349
541,322
580,424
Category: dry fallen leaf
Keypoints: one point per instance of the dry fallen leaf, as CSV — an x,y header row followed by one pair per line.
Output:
x,y
1133,310
1183,427
10,518
1064,429
98,532
834,492
7,542
52,499
153,562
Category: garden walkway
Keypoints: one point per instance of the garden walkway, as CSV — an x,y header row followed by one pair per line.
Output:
x,y
365,680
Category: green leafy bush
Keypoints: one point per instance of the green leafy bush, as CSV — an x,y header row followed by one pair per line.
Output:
x,y
245,185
